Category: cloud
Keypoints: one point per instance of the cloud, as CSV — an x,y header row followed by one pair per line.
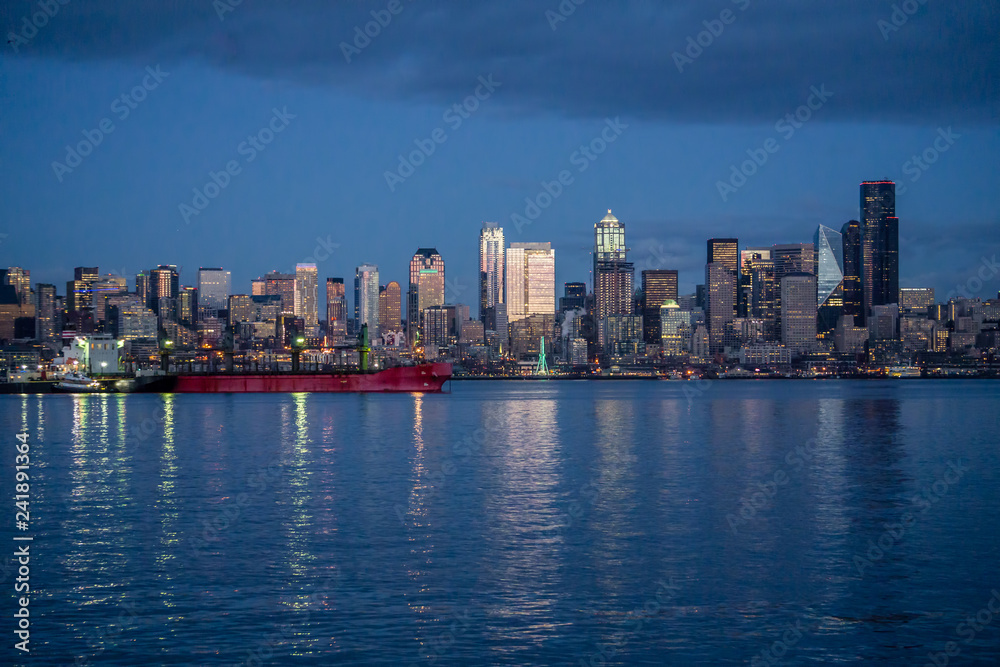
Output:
x,y
604,59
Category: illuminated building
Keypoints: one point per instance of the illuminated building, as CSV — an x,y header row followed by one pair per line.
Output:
x,y
164,283
240,309
720,289
336,311
879,246
390,308
798,312
426,288
491,267
851,236
675,328
531,280
283,285
214,286
829,271
658,286
366,298
46,315
306,298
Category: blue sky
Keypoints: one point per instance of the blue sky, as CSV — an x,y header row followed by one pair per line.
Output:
x,y
323,175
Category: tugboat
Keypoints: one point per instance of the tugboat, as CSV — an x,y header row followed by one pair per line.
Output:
x,y
77,383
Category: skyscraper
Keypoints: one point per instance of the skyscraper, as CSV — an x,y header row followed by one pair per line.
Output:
x,y
79,296
798,312
426,288
658,286
851,233
725,253
307,297
390,308
491,267
793,258
214,286
45,312
609,240
164,283
336,311
366,298
283,285
613,275
574,296
531,280
829,272
720,292
21,280
879,245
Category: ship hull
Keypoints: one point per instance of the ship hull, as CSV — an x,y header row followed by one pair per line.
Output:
x,y
426,378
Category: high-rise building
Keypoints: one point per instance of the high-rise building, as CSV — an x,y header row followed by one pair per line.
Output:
x,y
426,288
764,297
366,298
851,234
829,271
793,258
879,245
240,309
101,289
675,328
187,306
283,285
798,312
142,287
658,287
574,296
491,267
307,297
21,280
724,252
164,283
916,300
613,275
531,280
258,287
46,315
390,308
609,240
720,295
79,295
336,311
214,287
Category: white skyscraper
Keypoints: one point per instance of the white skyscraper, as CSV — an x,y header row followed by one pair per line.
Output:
x,y
213,289
531,280
491,266
307,297
366,288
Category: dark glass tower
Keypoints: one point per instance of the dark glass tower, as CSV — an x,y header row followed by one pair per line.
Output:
x,y
851,232
658,285
879,245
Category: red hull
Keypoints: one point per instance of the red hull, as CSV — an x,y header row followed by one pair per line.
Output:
x,y
423,378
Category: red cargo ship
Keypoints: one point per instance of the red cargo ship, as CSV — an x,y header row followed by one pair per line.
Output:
x,y
427,378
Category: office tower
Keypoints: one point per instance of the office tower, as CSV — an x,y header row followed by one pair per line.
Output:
x,y
798,312
829,271
879,245
390,312
609,240
187,306
675,328
793,258
129,318
258,287
575,296
426,288
366,298
658,286
214,286
491,267
101,289
46,315
240,309
283,285
720,296
307,298
79,296
916,300
164,283
142,287
336,311
531,280
851,235
20,279
724,252
613,288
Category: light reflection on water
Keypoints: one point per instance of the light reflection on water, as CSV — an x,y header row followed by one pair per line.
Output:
x,y
348,529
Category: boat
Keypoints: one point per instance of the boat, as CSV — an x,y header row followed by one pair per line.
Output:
x,y
77,383
903,372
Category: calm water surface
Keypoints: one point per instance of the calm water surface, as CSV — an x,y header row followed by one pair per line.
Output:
x,y
512,523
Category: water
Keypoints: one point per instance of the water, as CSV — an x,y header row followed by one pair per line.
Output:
x,y
512,523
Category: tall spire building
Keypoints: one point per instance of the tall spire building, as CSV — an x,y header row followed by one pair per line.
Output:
x,y
491,267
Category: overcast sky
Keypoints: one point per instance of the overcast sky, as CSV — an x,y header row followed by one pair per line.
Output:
x,y
670,117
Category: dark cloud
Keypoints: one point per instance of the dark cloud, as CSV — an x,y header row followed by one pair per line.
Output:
x,y
940,66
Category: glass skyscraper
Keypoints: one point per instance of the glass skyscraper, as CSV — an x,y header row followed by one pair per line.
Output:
x,y
426,288
491,267
879,245
531,280
307,297
851,234
366,298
